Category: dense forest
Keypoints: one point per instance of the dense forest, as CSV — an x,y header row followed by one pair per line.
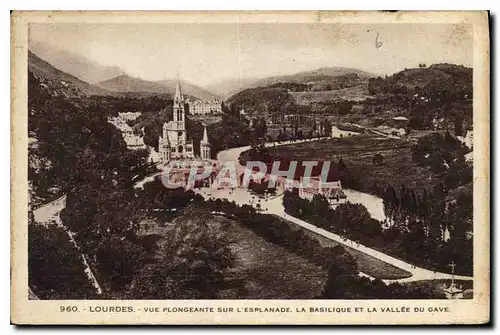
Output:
x,y
425,94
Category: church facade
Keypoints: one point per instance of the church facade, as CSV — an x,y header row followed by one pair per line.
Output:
x,y
173,144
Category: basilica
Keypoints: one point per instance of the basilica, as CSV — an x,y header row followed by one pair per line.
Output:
x,y
173,143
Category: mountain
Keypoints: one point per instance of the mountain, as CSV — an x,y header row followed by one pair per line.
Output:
x,y
74,64
126,83
60,81
322,78
433,78
282,94
310,77
189,89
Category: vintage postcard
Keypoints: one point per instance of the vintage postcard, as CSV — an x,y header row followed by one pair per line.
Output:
x,y
322,168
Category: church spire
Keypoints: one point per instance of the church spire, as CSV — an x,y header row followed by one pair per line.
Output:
x,y
205,145
205,135
178,93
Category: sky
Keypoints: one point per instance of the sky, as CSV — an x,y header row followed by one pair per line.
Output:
x,y
208,53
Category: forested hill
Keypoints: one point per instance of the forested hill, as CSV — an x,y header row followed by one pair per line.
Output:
x,y
74,142
438,96
333,77
426,94
75,150
442,75
321,76
276,94
61,83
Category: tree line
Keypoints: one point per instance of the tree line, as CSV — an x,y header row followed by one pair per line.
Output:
x,y
417,241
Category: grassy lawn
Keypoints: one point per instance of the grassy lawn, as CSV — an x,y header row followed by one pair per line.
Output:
x,y
366,263
270,271
355,93
357,153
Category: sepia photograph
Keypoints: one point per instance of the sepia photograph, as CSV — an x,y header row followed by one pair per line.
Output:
x,y
229,157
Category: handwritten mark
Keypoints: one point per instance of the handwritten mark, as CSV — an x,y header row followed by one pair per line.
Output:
x,y
378,44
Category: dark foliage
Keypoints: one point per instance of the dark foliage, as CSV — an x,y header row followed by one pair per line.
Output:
x,y
55,266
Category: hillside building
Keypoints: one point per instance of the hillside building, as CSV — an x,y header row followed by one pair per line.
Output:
x,y
400,121
204,107
129,116
133,141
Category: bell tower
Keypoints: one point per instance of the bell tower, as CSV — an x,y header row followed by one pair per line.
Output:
x,y
178,108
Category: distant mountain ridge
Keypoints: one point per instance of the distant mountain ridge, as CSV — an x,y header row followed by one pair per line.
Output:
x,y
74,64
60,81
314,75
320,76
125,83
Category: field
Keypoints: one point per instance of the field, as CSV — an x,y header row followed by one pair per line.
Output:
x,y
206,119
357,153
366,264
270,271
356,93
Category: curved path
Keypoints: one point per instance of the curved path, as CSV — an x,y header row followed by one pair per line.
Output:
x,y
49,213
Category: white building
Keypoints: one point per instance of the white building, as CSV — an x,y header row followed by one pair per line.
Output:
x,y
129,116
332,191
204,107
133,141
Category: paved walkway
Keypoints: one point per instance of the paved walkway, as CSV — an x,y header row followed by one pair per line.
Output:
x,y
274,206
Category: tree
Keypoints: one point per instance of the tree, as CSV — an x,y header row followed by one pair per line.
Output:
x,y
119,261
55,266
458,126
320,206
192,261
343,267
377,159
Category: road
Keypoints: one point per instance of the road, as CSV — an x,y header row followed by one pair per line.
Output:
x,y
49,213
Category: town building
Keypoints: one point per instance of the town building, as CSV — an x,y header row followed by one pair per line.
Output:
x,y
133,141
204,107
400,121
332,191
